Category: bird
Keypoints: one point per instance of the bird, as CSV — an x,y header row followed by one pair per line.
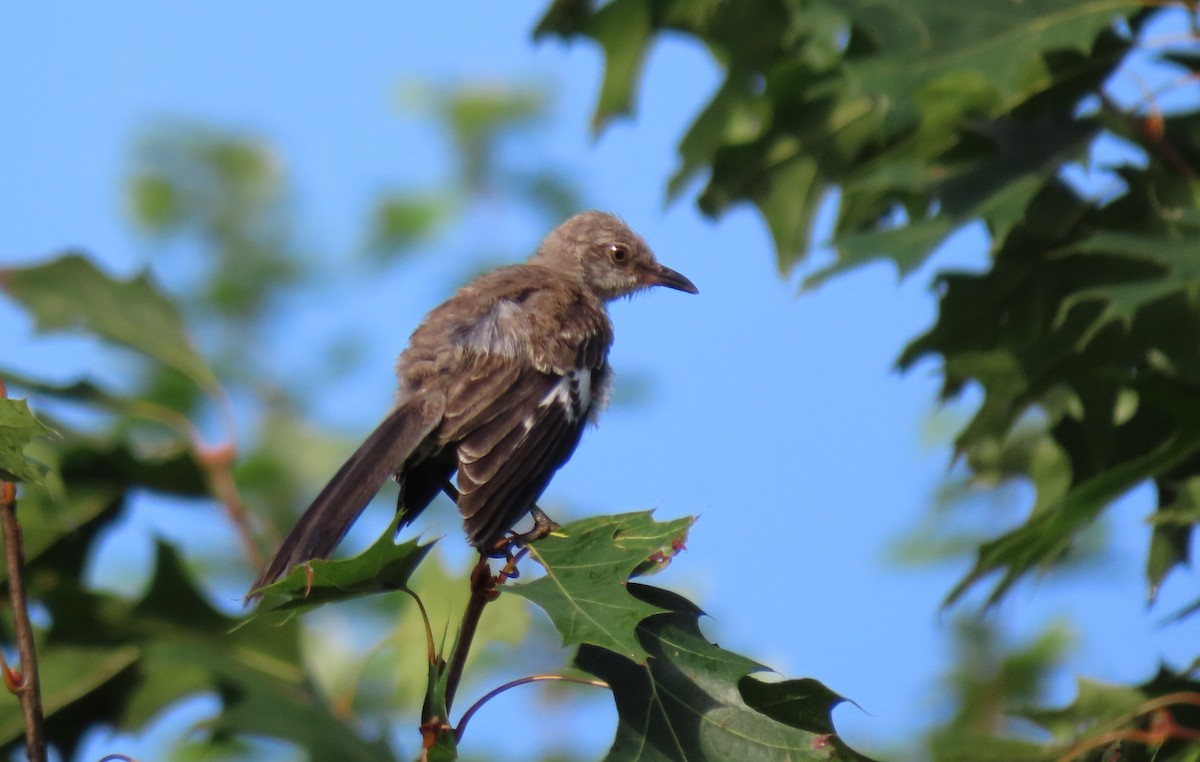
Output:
x,y
496,384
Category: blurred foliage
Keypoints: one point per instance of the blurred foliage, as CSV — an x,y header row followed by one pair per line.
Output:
x,y
829,100
228,194
484,124
18,428
990,684
1081,332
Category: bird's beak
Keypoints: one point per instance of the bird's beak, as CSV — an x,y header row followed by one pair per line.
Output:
x,y
658,275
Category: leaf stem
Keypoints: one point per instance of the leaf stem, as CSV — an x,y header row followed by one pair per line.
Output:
x,y
217,463
26,684
462,724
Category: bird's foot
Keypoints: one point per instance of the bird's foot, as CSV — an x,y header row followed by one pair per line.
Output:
x,y
543,525
513,547
510,570
513,542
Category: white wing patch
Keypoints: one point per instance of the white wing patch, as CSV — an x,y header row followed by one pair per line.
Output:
x,y
573,391
502,331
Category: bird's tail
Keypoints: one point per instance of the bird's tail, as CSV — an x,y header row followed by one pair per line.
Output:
x,y
329,517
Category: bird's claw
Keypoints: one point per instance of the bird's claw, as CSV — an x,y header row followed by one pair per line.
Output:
x,y
515,546
514,542
542,525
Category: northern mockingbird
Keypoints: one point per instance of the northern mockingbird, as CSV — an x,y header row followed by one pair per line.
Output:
x,y
496,384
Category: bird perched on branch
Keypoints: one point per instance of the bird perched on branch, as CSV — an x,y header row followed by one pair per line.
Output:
x,y
496,384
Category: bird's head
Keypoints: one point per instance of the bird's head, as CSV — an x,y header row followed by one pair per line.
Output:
x,y
608,256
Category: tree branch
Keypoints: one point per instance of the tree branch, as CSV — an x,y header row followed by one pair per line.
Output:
x,y
483,590
24,684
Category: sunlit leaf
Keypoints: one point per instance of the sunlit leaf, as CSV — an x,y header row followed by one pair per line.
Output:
x,y
588,564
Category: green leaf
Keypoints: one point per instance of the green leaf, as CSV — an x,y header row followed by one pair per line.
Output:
x,y
1174,523
86,392
44,522
227,193
922,41
1179,260
1094,702
98,474
70,293
687,700
256,669
67,673
155,202
788,204
400,221
18,428
1155,720
949,116
1048,534
382,568
734,115
908,246
805,703
588,564
622,28
563,18
106,660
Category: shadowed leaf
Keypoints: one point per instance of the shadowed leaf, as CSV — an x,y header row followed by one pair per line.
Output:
x,y
692,700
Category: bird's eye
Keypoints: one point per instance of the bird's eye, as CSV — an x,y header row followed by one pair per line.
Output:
x,y
618,253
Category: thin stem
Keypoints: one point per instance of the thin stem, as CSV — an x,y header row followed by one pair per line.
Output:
x,y
483,590
218,466
25,685
462,724
1158,733
429,647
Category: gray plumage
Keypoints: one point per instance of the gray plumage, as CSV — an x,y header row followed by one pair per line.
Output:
x,y
497,384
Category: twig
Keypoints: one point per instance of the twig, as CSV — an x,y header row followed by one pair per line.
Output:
x,y
1162,726
483,590
25,684
218,467
462,724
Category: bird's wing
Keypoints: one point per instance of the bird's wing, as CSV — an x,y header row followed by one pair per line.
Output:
x,y
527,368
507,458
326,521
476,384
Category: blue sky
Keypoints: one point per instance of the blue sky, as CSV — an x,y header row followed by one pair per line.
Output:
x,y
775,416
